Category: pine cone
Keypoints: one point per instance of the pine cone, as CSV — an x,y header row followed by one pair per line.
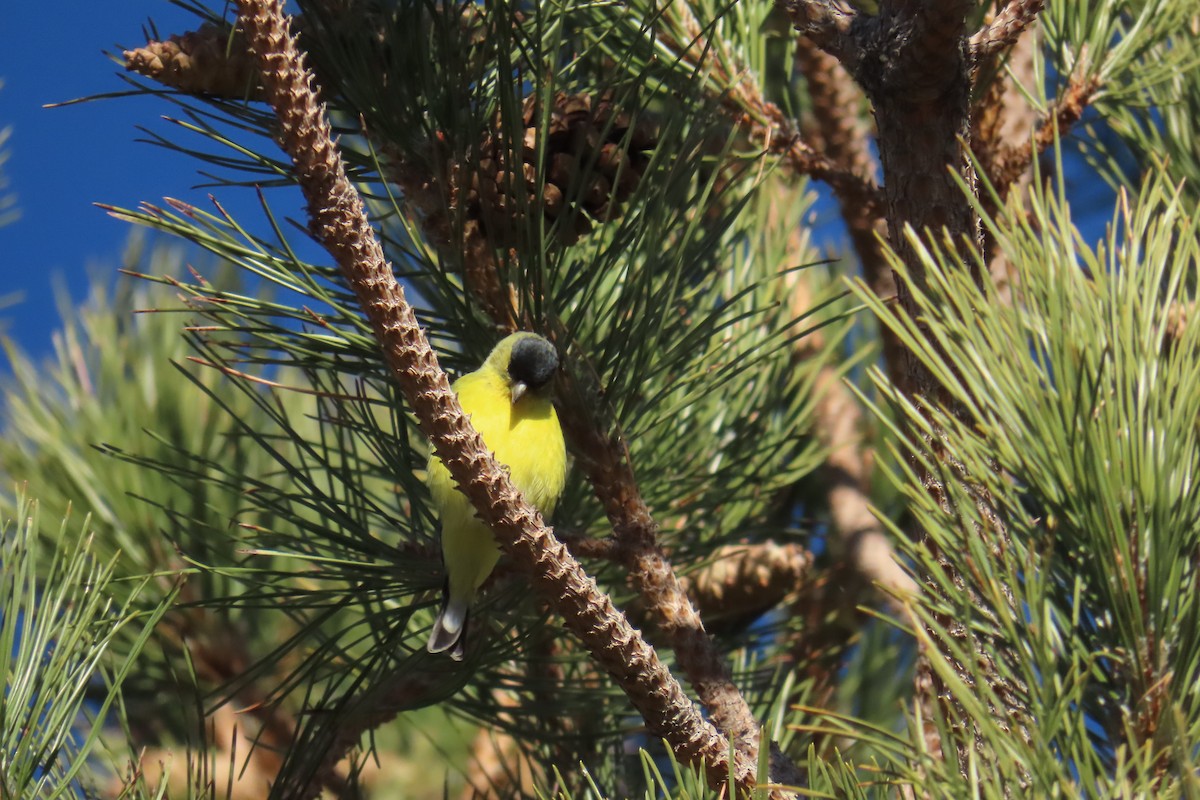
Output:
x,y
592,162
204,61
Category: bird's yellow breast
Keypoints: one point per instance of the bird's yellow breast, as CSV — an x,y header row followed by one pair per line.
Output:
x,y
526,437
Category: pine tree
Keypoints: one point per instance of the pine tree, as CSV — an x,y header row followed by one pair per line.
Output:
x,y
920,520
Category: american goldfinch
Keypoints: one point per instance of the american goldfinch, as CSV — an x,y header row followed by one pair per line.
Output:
x,y
508,400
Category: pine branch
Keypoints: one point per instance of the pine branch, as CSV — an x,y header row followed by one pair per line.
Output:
x,y
766,124
868,545
1097,333
583,546
635,538
836,103
338,219
835,107
780,136
664,596
921,126
427,193
739,581
1011,163
1004,31
829,24
635,532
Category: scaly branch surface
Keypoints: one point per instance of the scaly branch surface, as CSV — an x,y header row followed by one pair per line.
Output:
x,y
211,60
338,219
635,544
846,471
829,24
1004,31
836,101
746,580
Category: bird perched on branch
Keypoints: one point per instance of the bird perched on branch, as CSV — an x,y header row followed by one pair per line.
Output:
x,y
508,400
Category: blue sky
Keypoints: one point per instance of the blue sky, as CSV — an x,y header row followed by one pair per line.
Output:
x,y
63,160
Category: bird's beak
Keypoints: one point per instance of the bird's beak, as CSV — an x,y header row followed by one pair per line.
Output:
x,y
518,391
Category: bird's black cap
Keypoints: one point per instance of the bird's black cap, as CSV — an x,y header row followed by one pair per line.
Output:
x,y
533,362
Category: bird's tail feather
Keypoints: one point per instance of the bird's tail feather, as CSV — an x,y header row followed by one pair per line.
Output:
x,y
450,627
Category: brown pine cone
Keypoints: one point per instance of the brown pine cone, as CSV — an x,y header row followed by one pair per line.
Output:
x,y
592,163
204,61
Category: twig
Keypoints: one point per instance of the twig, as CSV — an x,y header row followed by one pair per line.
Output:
x,y
846,472
428,196
765,123
780,136
836,101
605,460
836,107
338,219
829,24
584,546
825,622
1065,112
739,582
635,544
1004,31
828,605
635,532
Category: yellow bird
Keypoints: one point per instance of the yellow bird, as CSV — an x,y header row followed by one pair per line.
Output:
x,y
508,400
